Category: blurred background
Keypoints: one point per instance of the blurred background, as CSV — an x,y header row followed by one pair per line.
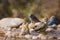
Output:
x,y
21,8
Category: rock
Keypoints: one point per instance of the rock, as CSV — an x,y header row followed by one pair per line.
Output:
x,y
54,25
57,33
39,36
2,38
2,33
31,25
40,26
58,26
49,29
24,29
52,28
42,37
31,30
52,37
58,37
37,27
15,34
8,33
7,23
34,33
28,36
34,37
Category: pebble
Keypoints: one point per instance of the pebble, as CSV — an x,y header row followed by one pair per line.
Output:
x,y
49,29
24,29
43,37
34,37
39,36
58,26
31,25
28,36
8,34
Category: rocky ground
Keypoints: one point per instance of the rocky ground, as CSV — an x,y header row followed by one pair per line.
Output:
x,y
9,31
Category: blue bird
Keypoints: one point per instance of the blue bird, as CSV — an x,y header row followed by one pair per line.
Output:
x,y
33,18
51,21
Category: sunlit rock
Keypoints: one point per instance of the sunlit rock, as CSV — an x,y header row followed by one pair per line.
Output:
x,y
31,25
40,26
34,37
7,23
52,37
58,26
28,36
49,29
8,34
53,26
42,36
24,29
39,36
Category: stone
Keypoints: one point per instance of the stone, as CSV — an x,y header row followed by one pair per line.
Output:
x,y
2,38
54,25
40,26
7,23
42,36
52,37
8,34
34,37
34,33
24,29
31,25
49,29
58,26
28,36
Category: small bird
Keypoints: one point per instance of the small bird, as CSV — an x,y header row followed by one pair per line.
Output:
x,y
33,18
52,20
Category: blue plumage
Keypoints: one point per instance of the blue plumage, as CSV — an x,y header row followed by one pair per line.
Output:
x,y
52,20
33,18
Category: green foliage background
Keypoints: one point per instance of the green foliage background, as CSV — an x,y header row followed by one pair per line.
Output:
x,y
24,5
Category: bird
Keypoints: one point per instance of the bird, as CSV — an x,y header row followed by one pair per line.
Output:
x,y
32,17
52,20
